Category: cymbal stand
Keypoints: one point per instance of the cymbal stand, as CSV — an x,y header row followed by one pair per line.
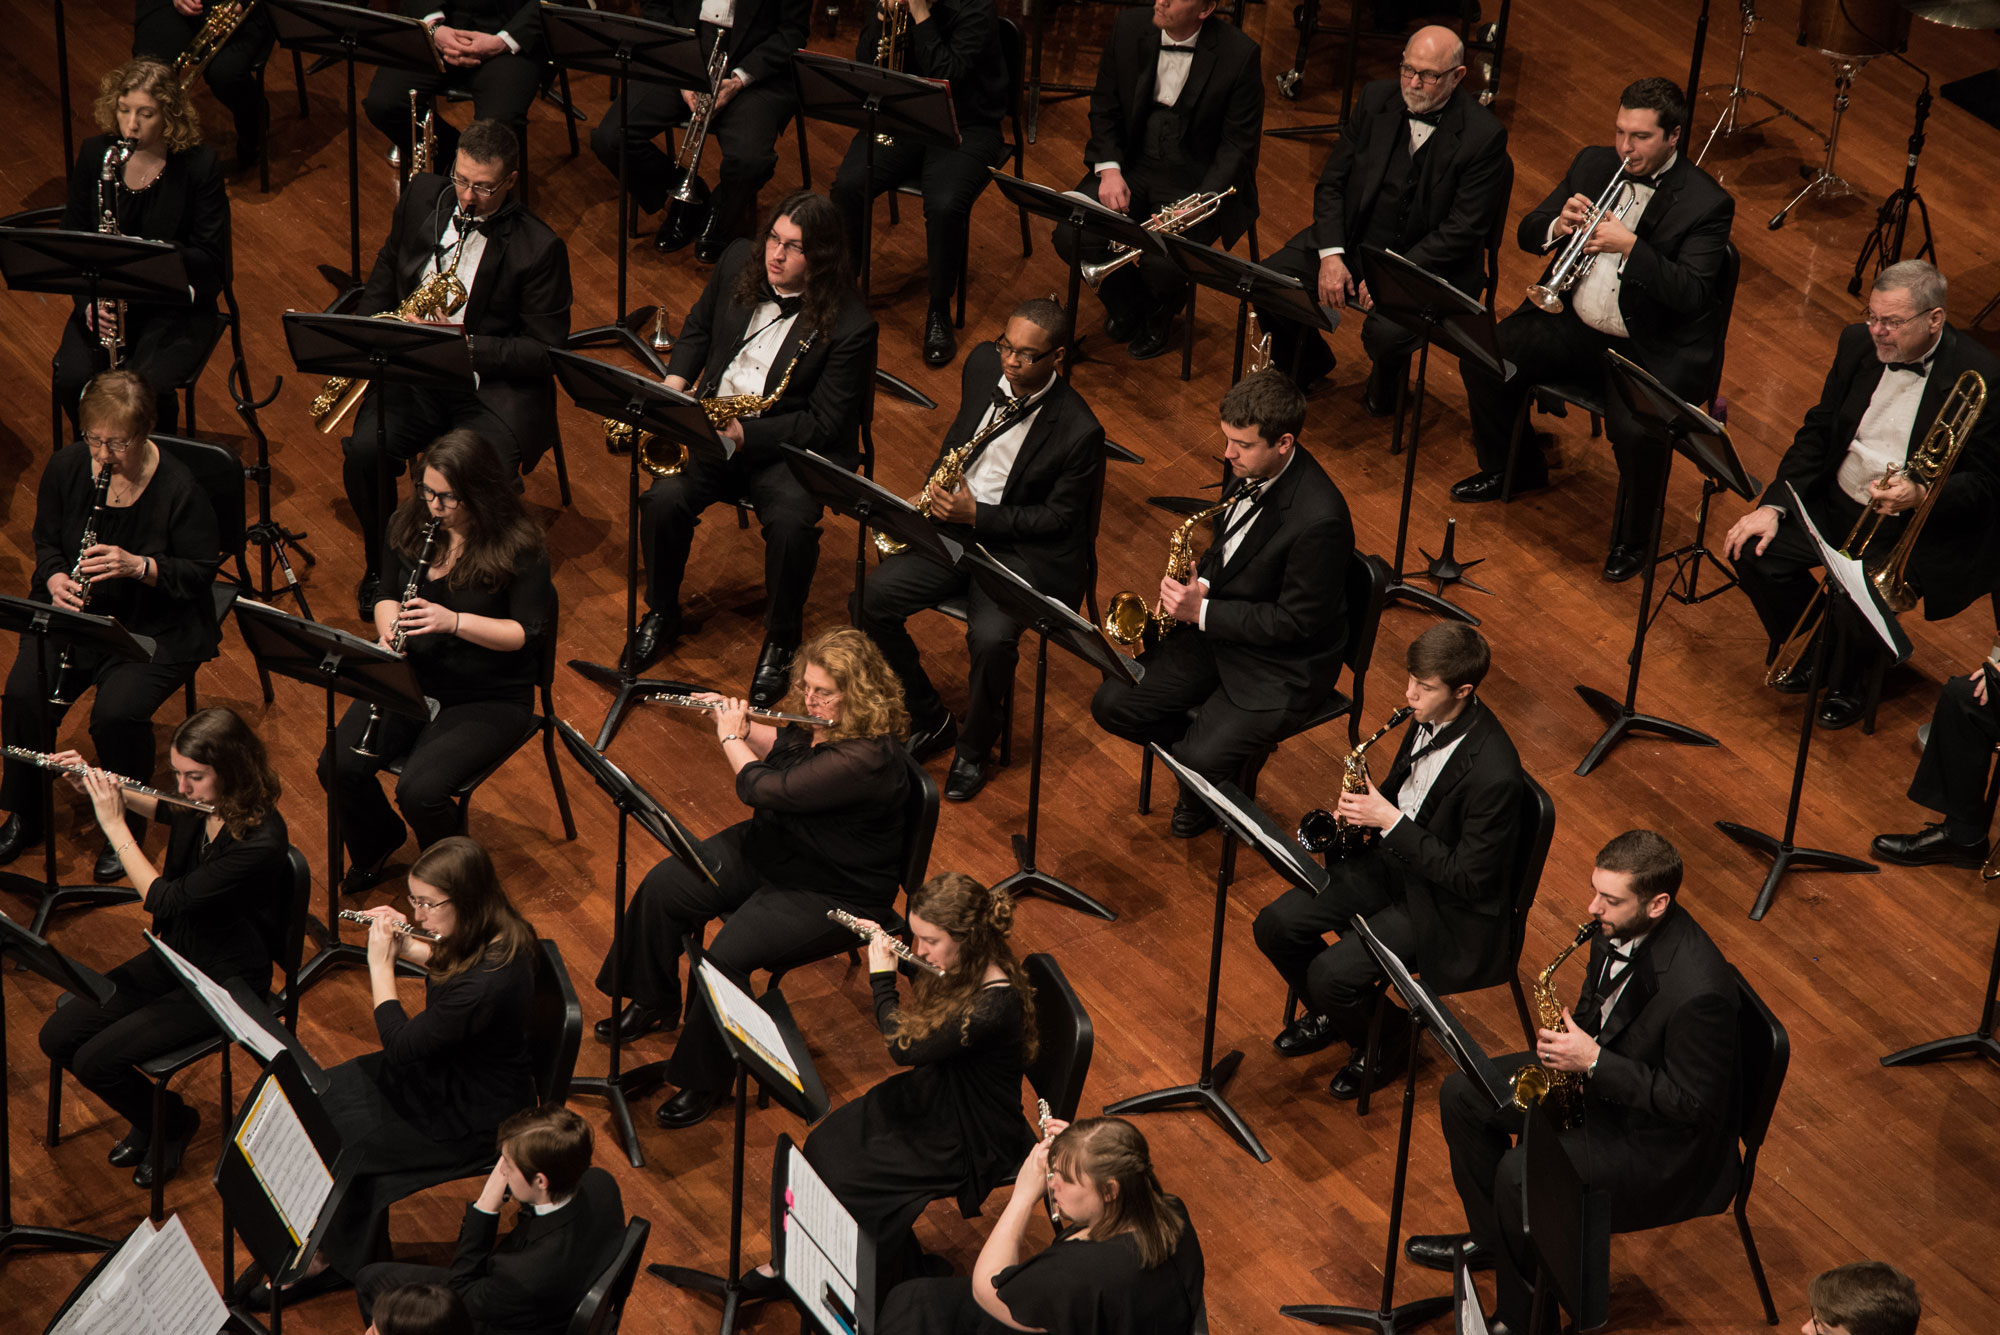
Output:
x,y
1727,123
1885,243
1821,181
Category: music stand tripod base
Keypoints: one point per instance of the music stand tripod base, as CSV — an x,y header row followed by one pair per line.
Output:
x,y
1979,1043
1785,857
1205,1093
1624,720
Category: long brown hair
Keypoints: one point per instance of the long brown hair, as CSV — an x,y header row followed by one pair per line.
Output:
x,y
501,538
979,920
1111,1155
829,269
144,75
871,695
490,932
249,787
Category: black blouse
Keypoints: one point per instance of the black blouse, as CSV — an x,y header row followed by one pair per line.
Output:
x,y
221,902
186,204
1098,1288
829,817
454,671
460,1066
171,521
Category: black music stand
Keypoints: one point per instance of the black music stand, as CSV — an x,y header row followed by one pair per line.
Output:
x,y
632,802
1428,1013
1251,284
1241,820
875,101
1979,1041
1407,294
94,265
625,48
1671,427
1092,221
807,1224
644,405
46,631
1034,610
1846,584
38,956
871,505
355,34
809,1102
241,1016
1568,1225
340,664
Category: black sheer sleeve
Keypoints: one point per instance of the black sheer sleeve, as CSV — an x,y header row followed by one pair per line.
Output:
x,y
827,777
996,1018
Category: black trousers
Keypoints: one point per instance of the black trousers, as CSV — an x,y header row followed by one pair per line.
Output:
x,y
121,719
161,31
1783,580
951,178
1181,676
371,461
438,756
503,88
150,1014
1951,777
904,585
1152,287
165,349
1301,352
746,131
1340,980
671,509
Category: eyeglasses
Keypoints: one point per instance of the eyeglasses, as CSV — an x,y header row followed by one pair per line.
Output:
x,y
1889,324
112,445
796,249
446,500
1426,78
480,188
1009,353
427,905
815,693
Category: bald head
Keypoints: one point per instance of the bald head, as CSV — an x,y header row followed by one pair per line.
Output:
x,y
1433,63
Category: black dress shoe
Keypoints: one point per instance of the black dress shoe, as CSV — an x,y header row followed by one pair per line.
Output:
x,y
687,1108
109,867
128,1152
1152,340
654,632
933,738
366,594
1489,486
171,1150
1623,563
1346,1083
708,247
1793,681
1123,328
1930,848
326,1281
18,834
758,1287
1191,819
1309,1033
365,876
940,344
773,676
1839,710
634,1022
1377,397
966,777
1440,1251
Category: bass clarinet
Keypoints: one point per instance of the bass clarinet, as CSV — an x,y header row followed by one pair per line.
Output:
x,y
371,735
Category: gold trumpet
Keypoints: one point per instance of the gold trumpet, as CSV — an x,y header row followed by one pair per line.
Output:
x,y
214,34
619,436
950,472
1127,619
1172,220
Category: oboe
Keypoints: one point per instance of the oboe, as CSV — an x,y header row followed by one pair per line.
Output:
x,y
404,928
896,948
770,715
1042,1115
48,761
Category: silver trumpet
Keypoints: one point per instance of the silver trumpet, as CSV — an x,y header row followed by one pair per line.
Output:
x,y
402,928
1175,218
896,948
1574,265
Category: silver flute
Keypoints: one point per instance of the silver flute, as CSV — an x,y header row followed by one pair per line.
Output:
x,y
48,761
405,928
1042,1115
771,715
896,948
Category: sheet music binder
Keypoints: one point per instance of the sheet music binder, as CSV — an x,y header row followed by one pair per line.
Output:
x,y
817,1247
273,1240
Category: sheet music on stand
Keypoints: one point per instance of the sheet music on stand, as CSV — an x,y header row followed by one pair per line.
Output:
x,y
822,1245
740,1015
1852,577
1438,1019
241,1027
1469,1318
273,1141
153,1284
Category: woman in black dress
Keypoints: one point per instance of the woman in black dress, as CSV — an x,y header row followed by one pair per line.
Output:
x,y
167,188
152,567
474,634
1128,1263
827,831
217,899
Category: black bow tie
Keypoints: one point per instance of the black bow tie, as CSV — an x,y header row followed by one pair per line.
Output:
x,y
787,306
1002,401
1430,118
1171,47
1914,368
1636,179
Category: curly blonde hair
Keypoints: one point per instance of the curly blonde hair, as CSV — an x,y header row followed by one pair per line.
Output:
x,y
980,920
871,695
144,75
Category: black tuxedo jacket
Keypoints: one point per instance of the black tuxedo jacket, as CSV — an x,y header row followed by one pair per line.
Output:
x,y
1457,851
1041,524
762,39
823,405
531,1282
1221,106
518,308
1669,289
1276,612
188,205
1946,563
1463,181
960,43
520,21
1660,1115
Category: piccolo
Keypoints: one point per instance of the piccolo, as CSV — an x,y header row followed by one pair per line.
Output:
x,y
1042,1115
896,948
405,928
770,715
48,761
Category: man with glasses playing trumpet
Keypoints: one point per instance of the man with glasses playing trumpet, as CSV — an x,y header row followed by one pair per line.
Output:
x,y
1894,376
1020,471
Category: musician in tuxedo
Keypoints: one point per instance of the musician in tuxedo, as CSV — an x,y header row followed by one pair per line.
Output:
x,y
1652,295
958,41
1436,887
1653,1040
1863,1298
1260,628
163,29
515,272
1178,108
757,97
778,312
491,47
1029,494
1951,777
568,1229
1891,376
1420,168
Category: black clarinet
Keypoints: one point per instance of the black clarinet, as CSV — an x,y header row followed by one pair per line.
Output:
x,y
370,736
97,501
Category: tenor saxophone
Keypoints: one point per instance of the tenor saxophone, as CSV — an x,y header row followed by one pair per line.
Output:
x,y
950,472
1561,1092
1127,619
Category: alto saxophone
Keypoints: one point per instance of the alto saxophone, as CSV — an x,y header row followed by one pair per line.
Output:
x,y
1323,831
99,495
438,297
950,472
216,30
1127,620
111,331
1560,1091
721,412
370,736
